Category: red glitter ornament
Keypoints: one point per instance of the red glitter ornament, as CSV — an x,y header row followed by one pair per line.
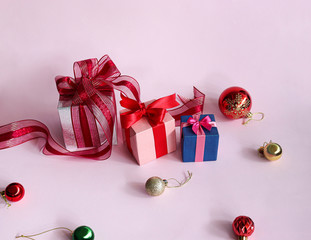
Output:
x,y
243,227
235,102
13,192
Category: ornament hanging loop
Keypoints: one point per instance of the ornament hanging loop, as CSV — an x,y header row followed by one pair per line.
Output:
x,y
4,198
250,115
261,149
180,184
34,235
155,186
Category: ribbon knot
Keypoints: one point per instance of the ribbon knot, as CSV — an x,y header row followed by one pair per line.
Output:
x,y
197,125
92,80
90,77
154,112
143,109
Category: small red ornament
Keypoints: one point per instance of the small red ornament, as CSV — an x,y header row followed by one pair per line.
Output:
x,y
243,227
13,192
235,102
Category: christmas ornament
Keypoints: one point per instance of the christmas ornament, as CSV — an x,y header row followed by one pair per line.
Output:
x,y
235,102
243,227
271,151
155,186
13,193
80,233
83,233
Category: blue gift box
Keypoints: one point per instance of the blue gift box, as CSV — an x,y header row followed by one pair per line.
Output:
x,y
189,141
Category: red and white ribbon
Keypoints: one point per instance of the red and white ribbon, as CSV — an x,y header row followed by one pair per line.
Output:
x,y
91,79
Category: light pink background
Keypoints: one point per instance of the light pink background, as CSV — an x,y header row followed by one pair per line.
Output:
x,y
168,46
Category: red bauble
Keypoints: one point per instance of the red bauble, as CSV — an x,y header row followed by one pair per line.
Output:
x,y
243,226
14,192
235,102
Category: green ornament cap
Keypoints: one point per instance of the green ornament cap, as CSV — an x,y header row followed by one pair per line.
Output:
x,y
83,233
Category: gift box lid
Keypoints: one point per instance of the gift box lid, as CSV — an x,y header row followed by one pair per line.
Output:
x,y
188,129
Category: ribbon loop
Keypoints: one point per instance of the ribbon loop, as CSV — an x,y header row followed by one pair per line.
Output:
x,y
154,112
188,106
90,75
197,125
88,89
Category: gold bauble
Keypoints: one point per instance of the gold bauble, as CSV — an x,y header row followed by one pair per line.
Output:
x,y
271,151
155,186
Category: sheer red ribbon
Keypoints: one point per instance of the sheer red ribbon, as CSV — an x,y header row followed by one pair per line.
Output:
x,y
92,79
188,106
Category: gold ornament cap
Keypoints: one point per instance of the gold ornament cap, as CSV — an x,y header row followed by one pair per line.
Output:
x,y
242,238
271,151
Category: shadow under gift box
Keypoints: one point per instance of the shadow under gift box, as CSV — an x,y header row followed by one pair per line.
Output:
x,y
80,136
147,142
189,141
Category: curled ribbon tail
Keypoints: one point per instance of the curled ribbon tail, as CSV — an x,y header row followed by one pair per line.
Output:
x,y
90,99
196,128
165,102
129,103
128,86
194,123
188,106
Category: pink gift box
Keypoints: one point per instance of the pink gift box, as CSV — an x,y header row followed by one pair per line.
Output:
x,y
147,142
75,134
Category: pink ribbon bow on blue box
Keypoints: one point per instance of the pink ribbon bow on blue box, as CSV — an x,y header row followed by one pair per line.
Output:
x,y
199,138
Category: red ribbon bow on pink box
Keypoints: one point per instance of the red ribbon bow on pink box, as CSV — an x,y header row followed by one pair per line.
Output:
x,y
92,80
154,112
148,127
